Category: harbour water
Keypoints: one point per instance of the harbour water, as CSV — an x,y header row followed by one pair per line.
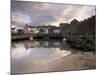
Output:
x,y
48,56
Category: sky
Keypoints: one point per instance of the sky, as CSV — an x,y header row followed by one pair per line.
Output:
x,y
42,13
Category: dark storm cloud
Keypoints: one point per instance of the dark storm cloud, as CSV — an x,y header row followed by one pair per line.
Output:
x,y
35,13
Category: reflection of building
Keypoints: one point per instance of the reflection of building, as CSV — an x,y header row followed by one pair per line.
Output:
x,y
31,44
47,44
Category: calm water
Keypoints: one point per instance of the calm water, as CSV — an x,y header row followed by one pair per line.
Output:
x,y
44,56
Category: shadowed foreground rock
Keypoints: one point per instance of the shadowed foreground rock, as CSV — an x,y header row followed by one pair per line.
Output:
x,y
83,43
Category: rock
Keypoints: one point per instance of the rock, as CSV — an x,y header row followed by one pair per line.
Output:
x,y
82,43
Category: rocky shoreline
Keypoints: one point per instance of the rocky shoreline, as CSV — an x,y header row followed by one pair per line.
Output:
x,y
84,43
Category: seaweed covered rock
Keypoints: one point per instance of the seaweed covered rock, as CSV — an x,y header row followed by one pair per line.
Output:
x,y
83,43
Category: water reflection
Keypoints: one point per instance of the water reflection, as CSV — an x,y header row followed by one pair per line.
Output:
x,y
39,50
33,56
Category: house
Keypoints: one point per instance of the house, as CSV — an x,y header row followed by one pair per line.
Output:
x,y
69,29
36,29
12,29
54,32
30,29
16,30
65,28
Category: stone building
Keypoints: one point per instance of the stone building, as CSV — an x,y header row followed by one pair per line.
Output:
x,y
69,29
30,29
54,31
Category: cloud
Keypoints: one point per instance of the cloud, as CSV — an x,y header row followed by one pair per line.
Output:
x,y
39,13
